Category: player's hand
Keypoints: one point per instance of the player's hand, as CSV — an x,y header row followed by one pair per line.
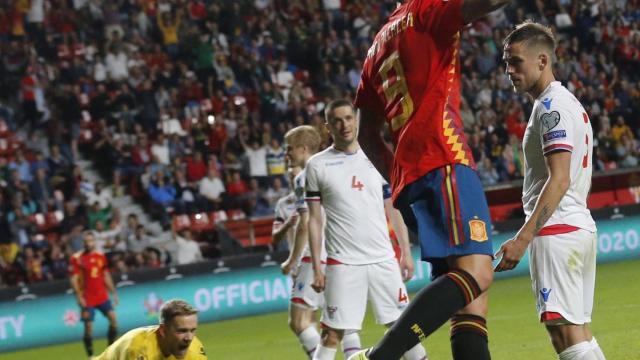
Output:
x,y
287,266
115,300
318,282
407,267
512,252
81,302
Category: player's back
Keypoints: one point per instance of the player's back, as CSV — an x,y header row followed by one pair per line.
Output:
x,y
142,343
411,75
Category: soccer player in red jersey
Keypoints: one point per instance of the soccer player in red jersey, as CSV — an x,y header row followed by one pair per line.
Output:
x,y
90,279
411,81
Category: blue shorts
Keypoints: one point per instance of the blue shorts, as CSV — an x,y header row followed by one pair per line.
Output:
x,y
104,308
448,210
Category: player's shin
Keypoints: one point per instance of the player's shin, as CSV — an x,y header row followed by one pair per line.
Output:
x,y
309,339
112,334
350,343
88,345
469,337
431,308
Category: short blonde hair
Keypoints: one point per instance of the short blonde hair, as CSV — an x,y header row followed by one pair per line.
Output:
x,y
304,135
173,308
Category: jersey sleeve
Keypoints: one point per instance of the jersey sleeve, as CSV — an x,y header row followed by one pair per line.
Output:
x,y
312,186
366,96
441,18
196,350
298,190
555,127
74,265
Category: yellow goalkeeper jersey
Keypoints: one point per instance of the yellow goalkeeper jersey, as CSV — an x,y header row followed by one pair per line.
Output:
x,y
142,344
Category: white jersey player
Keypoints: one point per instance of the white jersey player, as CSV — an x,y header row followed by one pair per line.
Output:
x,y
559,228
361,264
301,143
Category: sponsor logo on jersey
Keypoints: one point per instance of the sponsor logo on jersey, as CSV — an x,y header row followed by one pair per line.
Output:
x,y
334,163
553,135
550,120
478,230
545,294
547,103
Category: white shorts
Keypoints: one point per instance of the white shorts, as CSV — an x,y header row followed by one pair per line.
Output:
x,y
563,275
302,294
348,287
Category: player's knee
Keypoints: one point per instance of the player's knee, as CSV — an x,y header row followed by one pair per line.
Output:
x,y
298,324
331,337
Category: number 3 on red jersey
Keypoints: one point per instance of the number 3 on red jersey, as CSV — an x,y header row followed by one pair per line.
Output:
x,y
394,85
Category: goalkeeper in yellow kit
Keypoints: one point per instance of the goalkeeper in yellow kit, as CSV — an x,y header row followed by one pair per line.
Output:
x,y
174,338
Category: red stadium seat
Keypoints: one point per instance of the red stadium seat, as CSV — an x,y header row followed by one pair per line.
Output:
x,y
236,214
200,222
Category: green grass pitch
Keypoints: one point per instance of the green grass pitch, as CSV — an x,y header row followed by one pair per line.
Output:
x,y
513,329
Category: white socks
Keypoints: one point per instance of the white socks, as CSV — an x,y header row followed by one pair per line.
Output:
x,y
596,349
310,339
416,353
324,353
579,351
350,343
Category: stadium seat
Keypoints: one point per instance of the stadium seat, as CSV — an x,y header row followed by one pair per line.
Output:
x,y
218,216
201,222
236,214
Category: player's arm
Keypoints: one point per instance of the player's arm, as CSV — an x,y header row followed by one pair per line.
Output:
x,y
108,281
558,164
77,289
315,243
74,279
299,241
407,266
371,141
475,9
281,227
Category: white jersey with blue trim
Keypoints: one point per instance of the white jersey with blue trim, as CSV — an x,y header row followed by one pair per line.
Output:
x,y
558,122
352,193
301,206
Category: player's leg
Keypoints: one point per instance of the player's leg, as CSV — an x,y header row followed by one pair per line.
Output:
x,y
388,296
451,215
469,334
107,310
304,302
350,343
329,344
88,315
563,279
345,305
302,323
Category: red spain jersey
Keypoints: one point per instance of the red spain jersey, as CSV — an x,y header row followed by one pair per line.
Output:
x,y
411,75
91,268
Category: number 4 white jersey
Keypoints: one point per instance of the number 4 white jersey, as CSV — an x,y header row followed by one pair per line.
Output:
x,y
352,193
558,122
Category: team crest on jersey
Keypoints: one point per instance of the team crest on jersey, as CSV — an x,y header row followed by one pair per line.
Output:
x,y
550,120
331,311
478,230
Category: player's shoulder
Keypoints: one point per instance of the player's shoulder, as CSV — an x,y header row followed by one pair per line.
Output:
x,y
322,156
558,98
196,350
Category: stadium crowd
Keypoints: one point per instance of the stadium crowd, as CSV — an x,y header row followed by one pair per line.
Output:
x,y
184,104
